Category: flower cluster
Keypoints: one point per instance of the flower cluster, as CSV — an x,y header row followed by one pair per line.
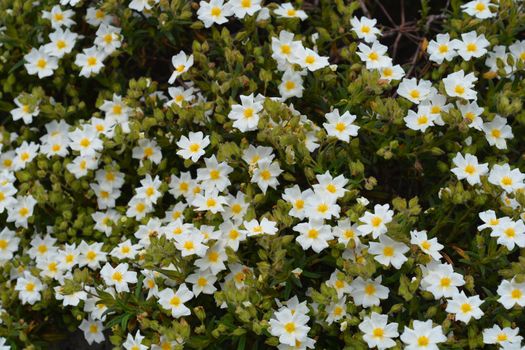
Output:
x,y
246,174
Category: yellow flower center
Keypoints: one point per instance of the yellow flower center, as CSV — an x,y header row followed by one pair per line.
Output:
x,y
291,12
415,93
443,48
445,282
91,61
516,294
376,221
370,289
378,332
313,233
180,68
289,327
422,341
289,85
216,11
286,49
480,7
506,180
373,56
496,133
309,59
322,208
248,113
365,29
510,232
175,301
236,208
502,337
117,276
470,169
471,47
425,245
299,204
93,328
202,282
266,175
214,174
61,44
460,90
210,202
246,3
3,244
23,212
30,286
41,63
422,120
340,126
465,308
85,142
388,251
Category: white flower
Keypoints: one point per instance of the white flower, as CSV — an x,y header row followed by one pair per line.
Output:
x,y
241,8
255,228
192,147
422,336
460,85
465,307
85,140
62,42
336,311
375,223
215,174
471,45
479,8
511,293
180,95
286,10
265,175
23,111
134,342
388,251
91,61
441,49
421,120
365,28
508,179
8,245
92,330
174,301
214,11
510,233
202,282
189,244
181,62
246,115
472,112
313,234
374,56
29,288
330,186
291,84
378,332
467,167
503,337
284,47
118,276
308,58
413,90
441,280
210,200
21,211
141,5
108,38
341,126
338,282
298,200
497,131
58,17
391,72
289,326
40,63
428,246
368,293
